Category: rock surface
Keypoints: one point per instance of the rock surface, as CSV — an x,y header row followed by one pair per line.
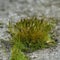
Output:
x,y
13,10
46,54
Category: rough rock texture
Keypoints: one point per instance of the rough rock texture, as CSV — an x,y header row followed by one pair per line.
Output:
x,y
46,54
13,10
30,7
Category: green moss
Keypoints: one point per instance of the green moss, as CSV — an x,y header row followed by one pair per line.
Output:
x,y
31,34
17,54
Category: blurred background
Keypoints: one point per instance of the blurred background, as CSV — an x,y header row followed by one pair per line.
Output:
x,y
30,7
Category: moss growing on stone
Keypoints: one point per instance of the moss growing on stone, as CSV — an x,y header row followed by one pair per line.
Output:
x,y
30,35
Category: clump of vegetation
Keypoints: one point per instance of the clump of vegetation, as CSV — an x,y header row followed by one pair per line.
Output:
x,y
17,54
16,49
29,35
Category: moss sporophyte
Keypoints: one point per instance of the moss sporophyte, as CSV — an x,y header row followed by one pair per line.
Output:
x,y
29,35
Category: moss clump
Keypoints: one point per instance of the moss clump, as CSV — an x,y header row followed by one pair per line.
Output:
x,y
31,34
17,54
16,49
